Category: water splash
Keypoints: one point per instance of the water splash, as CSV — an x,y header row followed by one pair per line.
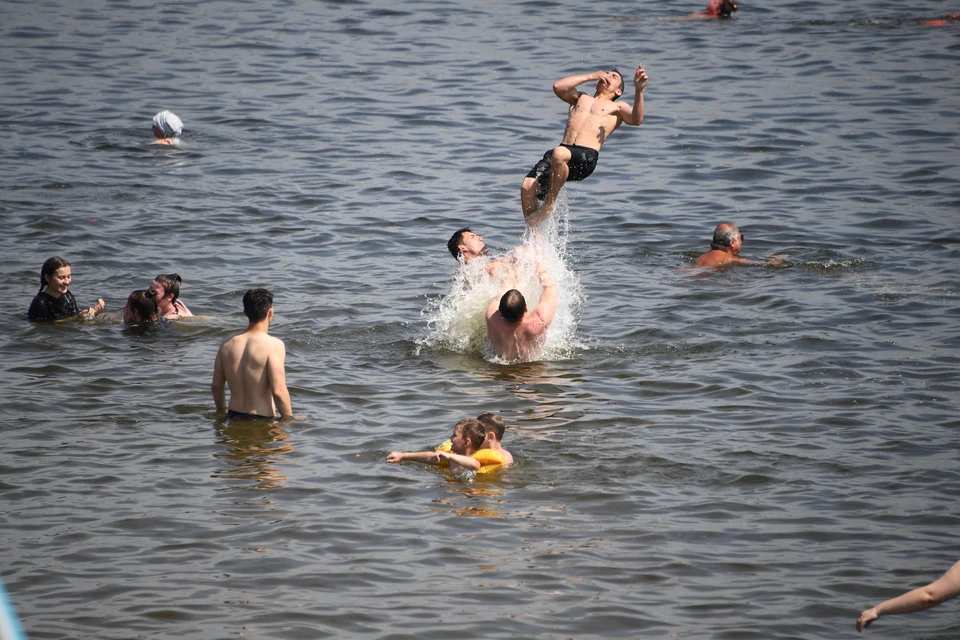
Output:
x,y
457,321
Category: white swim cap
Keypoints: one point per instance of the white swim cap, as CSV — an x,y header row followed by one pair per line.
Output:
x,y
169,123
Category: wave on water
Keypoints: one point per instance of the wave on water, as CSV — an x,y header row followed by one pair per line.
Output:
x,y
457,321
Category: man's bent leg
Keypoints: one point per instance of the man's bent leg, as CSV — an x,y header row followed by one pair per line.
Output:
x,y
559,172
528,196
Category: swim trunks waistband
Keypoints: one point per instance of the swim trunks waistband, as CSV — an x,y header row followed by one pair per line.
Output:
x,y
231,414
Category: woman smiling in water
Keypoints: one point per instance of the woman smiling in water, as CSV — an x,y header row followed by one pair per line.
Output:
x,y
57,303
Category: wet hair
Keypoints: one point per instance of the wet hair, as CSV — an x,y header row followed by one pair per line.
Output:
x,y
49,268
473,429
171,284
512,306
727,7
256,303
724,237
492,422
623,84
453,244
144,303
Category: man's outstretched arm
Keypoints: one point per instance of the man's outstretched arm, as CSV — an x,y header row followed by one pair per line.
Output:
x,y
566,88
633,115
548,299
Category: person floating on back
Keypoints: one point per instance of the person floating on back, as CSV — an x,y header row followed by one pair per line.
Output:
x,y
252,364
725,248
465,452
590,122
516,333
167,128
57,303
944,588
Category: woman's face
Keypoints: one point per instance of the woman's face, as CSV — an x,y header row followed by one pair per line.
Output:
x,y
59,282
158,289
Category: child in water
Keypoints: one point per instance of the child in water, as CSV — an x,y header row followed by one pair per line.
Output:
x,y
57,303
494,427
465,450
167,128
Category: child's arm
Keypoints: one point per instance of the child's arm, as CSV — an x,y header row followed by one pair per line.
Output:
x,y
464,461
426,457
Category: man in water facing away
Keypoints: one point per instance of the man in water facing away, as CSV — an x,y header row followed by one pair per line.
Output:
x,y
591,121
725,248
252,364
516,333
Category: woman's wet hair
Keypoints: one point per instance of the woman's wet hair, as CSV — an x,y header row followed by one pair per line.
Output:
x,y
49,268
256,303
473,429
144,303
171,284
724,235
512,306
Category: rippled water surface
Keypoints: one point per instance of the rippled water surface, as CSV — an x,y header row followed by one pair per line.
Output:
x,y
758,452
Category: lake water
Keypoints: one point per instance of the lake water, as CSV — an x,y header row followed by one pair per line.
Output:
x,y
753,453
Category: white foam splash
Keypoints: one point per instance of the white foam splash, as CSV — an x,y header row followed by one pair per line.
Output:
x,y
457,321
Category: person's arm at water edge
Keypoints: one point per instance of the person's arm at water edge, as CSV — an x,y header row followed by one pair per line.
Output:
x,y
218,386
938,591
278,380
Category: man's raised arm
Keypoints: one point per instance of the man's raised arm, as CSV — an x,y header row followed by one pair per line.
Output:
x,y
566,88
548,299
634,115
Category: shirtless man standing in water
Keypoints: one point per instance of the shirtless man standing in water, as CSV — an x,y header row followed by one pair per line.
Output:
x,y
591,121
516,333
252,364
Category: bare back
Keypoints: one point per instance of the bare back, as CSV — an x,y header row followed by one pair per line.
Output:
x,y
252,366
521,341
591,121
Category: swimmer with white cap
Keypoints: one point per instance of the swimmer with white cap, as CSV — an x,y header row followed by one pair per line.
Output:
x,y
167,128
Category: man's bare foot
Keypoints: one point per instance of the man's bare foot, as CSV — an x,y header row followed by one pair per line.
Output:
x,y
542,213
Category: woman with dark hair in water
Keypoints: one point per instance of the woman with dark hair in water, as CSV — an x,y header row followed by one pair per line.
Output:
x,y
141,307
57,303
166,287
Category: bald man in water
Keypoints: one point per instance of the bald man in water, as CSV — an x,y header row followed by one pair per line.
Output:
x,y
516,332
252,364
725,248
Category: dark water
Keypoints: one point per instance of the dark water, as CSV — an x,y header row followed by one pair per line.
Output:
x,y
758,453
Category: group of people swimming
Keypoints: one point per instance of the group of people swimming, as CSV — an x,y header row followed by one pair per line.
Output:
x,y
54,301
251,363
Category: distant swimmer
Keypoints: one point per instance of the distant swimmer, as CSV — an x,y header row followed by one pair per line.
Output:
x,y
465,452
725,249
141,307
167,289
252,364
944,588
167,128
950,18
718,9
516,333
590,122
57,302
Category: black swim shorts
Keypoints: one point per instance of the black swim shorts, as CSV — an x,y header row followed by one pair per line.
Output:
x,y
231,415
582,163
